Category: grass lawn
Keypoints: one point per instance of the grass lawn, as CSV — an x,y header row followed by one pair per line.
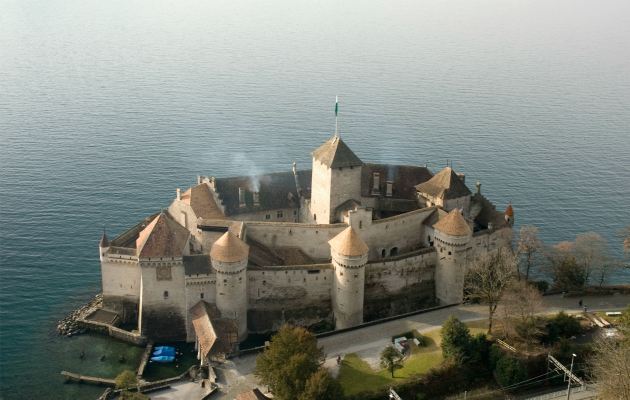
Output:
x,y
355,375
612,320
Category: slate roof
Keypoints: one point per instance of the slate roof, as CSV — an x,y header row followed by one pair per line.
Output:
x,y
273,191
404,178
212,332
229,248
347,206
489,214
446,185
335,153
197,264
201,201
349,243
163,237
509,211
453,224
104,241
251,395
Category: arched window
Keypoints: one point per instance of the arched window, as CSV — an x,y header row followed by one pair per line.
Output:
x,y
383,253
393,252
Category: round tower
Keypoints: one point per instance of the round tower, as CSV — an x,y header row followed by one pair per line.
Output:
x,y
509,215
349,256
229,260
452,235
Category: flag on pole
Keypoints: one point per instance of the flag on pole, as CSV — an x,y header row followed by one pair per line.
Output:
x,y
336,105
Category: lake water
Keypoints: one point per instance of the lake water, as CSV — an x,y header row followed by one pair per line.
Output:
x,y
107,106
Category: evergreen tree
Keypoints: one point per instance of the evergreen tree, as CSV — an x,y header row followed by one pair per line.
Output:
x,y
321,386
455,338
390,358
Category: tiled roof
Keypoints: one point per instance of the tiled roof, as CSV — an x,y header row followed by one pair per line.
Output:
x,y
453,224
229,248
509,211
251,395
435,217
275,191
197,264
236,227
212,332
489,215
446,184
104,241
201,201
347,206
348,243
293,256
163,237
336,154
404,178
129,237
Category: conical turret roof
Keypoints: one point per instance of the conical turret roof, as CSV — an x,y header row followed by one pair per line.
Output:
x,y
446,184
453,224
349,243
335,154
229,248
509,211
104,241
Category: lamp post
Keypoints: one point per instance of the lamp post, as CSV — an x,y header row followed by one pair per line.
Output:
x,y
570,377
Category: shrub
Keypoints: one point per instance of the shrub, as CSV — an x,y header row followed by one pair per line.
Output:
x,y
455,338
542,286
420,396
567,325
495,354
564,346
510,371
479,347
126,379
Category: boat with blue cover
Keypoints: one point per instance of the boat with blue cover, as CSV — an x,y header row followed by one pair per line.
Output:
x,y
163,358
164,348
164,353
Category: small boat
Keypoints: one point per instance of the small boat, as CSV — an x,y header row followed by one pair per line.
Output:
x,y
164,353
164,348
163,358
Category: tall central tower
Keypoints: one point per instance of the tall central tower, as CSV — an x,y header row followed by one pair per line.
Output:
x,y
336,179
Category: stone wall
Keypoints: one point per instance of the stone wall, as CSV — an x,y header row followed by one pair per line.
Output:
x,y
121,286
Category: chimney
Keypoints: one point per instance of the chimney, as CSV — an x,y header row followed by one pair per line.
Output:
x,y
179,194
462,177
241,197
198,179
256,202
294,167
389,188
490,225
478,188
375,188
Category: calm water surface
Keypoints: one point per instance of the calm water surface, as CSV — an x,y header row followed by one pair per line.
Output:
x,y
107,107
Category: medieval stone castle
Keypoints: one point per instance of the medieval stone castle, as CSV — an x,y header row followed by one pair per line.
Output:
x,y
338,245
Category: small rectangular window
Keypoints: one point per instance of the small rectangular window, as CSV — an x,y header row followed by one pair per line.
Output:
x,y
166,294
201,295
295,213
279,214
268,216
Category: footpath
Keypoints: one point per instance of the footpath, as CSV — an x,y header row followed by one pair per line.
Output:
x,y
235,375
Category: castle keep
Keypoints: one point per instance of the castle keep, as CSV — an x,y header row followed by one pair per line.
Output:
x,y
338,245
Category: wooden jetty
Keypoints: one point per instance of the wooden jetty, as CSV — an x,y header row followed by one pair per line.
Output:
x,y
145,358
81,378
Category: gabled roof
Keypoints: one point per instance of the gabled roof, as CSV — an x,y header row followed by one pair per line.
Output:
x,y
446,184
404,178
104,241
453,224
201,201
509,211
212,332
229,248
335,154
163,237
349,243
251,395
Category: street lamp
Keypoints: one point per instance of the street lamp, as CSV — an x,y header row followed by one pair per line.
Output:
x,y
570,377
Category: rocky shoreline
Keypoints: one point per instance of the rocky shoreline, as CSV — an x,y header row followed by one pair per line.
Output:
x,y
68,326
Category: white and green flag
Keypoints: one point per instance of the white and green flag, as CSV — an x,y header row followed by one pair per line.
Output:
x,y
336,105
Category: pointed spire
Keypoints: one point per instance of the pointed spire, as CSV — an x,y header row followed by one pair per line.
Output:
x,y
453,224
336,153
509,210
229,249
104,242
349,243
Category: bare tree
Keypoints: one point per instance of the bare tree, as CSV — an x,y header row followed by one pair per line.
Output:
x,y
593,255
562,264
520,302
528,245
488,277
624,234
609,366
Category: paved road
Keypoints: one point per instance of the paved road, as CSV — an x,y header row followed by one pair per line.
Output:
x,y
235,376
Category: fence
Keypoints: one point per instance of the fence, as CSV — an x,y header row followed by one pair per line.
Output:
x,y
561,393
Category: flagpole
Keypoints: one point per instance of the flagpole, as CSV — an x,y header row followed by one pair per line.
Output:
x,y
336,107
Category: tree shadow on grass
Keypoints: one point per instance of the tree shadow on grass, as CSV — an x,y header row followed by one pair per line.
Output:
x,y
355,375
